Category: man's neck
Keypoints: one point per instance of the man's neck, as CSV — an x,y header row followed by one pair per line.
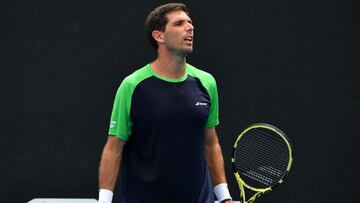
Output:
x,y
169,65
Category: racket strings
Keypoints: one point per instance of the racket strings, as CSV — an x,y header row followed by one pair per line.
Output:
x,y
261,157
262,136
268,170
269,178
263,148
266,142
259,177
254,162
280,150
265,168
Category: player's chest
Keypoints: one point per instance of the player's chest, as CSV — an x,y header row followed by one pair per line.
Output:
x,y
160,101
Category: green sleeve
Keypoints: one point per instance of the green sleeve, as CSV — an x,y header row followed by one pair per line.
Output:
x,y
213,119
120,123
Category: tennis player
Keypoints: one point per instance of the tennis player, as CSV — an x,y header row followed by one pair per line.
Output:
x,y
162,136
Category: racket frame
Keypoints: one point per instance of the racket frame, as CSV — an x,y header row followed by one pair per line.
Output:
x,y
241,183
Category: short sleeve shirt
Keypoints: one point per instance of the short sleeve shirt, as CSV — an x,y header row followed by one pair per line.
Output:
x,y
163,121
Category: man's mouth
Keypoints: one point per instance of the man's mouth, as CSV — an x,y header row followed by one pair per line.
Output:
x,y
188,39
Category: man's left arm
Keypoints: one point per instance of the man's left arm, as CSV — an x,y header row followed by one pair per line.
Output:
x,y
215,161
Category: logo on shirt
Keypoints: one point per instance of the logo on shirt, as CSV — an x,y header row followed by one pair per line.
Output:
x,y
201,104
112,124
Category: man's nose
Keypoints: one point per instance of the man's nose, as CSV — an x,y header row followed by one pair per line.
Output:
x,y
189,27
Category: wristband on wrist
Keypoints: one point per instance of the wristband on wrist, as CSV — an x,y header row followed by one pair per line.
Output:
x,y
222,192
105,196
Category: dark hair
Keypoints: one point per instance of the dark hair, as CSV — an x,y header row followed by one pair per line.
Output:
x,y
157,19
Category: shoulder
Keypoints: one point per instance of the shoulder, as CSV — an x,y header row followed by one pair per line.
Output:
x,y
206,78
132,80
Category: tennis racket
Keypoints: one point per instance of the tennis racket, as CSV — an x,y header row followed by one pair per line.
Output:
x,y
261,159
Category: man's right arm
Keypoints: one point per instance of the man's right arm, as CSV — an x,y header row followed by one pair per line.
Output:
x,y
109,167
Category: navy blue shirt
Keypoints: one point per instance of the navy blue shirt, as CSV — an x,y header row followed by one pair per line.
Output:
x,y
163,121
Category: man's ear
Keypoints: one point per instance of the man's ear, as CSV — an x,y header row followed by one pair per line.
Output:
x,y
158,36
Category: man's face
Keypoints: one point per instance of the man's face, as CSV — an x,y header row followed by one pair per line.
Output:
x,y
179,32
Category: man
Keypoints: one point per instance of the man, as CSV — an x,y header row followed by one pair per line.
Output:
x,y
162,134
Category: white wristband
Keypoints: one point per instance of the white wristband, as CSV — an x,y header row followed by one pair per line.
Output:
x,y
222,192
105,196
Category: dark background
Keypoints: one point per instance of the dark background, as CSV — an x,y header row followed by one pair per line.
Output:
x,y
293,64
